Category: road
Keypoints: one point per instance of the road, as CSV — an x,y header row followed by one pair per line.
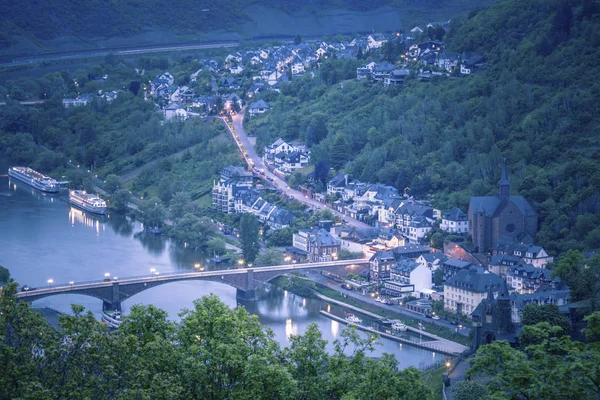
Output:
x,y
236,128
68,55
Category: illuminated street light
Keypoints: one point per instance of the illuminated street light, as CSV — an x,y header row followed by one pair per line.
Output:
x,y
240,262
50,282
71,283
152,270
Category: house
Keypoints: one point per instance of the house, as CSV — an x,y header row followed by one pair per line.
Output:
x,y
174,110
396,77
318,243
455,221
432,261
375,41
258,107
464,291
527,253
500,264
408,276
82,100
293,161
382,70
337,184
526,278
229,83
448,61
519,301
279,146
391,238
452,266
493,217
418,228
297,69
380,265
401,213
411,251
232,180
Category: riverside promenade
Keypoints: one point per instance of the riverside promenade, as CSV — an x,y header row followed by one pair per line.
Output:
x,y
436,344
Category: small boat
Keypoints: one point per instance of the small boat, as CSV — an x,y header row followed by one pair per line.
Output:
x,y
112,318
353,319
218,259
385,321
399,326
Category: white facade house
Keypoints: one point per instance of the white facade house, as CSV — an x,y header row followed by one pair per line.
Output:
x,y
408,276
455,221
258,107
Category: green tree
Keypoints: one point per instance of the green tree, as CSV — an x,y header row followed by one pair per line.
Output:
x,y
270,257
533,314
249,237
180,204
469,390
4,275
119,201
112,183
152,212
438,277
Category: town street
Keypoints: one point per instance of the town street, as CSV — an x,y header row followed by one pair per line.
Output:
x,y
256,163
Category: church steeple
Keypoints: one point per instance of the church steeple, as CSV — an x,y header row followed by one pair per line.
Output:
x,y
504,183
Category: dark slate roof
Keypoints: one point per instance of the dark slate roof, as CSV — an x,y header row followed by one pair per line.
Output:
x,y
531,272
323,238
411,249
383,256
259,104
546,297
405,266
456,263
431,257
455,214
504,259
475,280
491,205
414,208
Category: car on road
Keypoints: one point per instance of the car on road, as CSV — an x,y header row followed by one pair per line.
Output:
x,y
270,178
346,286
436,317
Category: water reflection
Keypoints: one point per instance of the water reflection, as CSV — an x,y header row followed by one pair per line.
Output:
x,y
335,328
155,244
121,225
95,222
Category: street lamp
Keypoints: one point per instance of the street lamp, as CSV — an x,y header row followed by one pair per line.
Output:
x,y
50,282
71,283
106,276
152,270
240,262
447,365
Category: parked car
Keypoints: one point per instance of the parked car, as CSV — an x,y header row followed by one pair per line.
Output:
x,y
346,286
436,317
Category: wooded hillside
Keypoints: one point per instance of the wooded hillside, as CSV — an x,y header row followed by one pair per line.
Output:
x,y
536,104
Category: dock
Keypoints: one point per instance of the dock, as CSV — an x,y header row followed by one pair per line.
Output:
x,y
448,346
442,346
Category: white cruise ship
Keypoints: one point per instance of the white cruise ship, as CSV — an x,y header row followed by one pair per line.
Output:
x,y
86,201
34,179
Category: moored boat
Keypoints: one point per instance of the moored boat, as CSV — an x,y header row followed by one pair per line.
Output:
x,y
34,179
87,201
399,326
353,319
112,318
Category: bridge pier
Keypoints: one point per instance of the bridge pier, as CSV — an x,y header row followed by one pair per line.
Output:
x,y
245,295
115,303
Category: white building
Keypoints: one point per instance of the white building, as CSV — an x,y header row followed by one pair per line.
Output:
x,y
408,276
455,221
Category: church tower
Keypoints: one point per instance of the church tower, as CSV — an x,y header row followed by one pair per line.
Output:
x,y
504,183
504,322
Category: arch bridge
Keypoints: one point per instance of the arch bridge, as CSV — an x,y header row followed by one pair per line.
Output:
x,y
245,280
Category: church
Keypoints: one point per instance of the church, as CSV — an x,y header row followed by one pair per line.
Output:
x,y
492,319
503,217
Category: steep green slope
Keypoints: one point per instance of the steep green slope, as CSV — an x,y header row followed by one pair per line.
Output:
x,y
535,104
43,20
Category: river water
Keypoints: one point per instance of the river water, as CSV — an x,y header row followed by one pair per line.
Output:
x,y
42,237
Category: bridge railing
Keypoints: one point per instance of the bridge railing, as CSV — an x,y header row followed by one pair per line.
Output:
x,y
193,274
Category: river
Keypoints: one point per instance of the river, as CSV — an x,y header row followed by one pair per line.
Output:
x,y
42,237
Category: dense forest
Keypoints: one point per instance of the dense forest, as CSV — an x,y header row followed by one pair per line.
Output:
x,y
536,104
213,352
51,19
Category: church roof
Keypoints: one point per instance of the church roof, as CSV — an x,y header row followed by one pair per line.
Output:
x,y
491,205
